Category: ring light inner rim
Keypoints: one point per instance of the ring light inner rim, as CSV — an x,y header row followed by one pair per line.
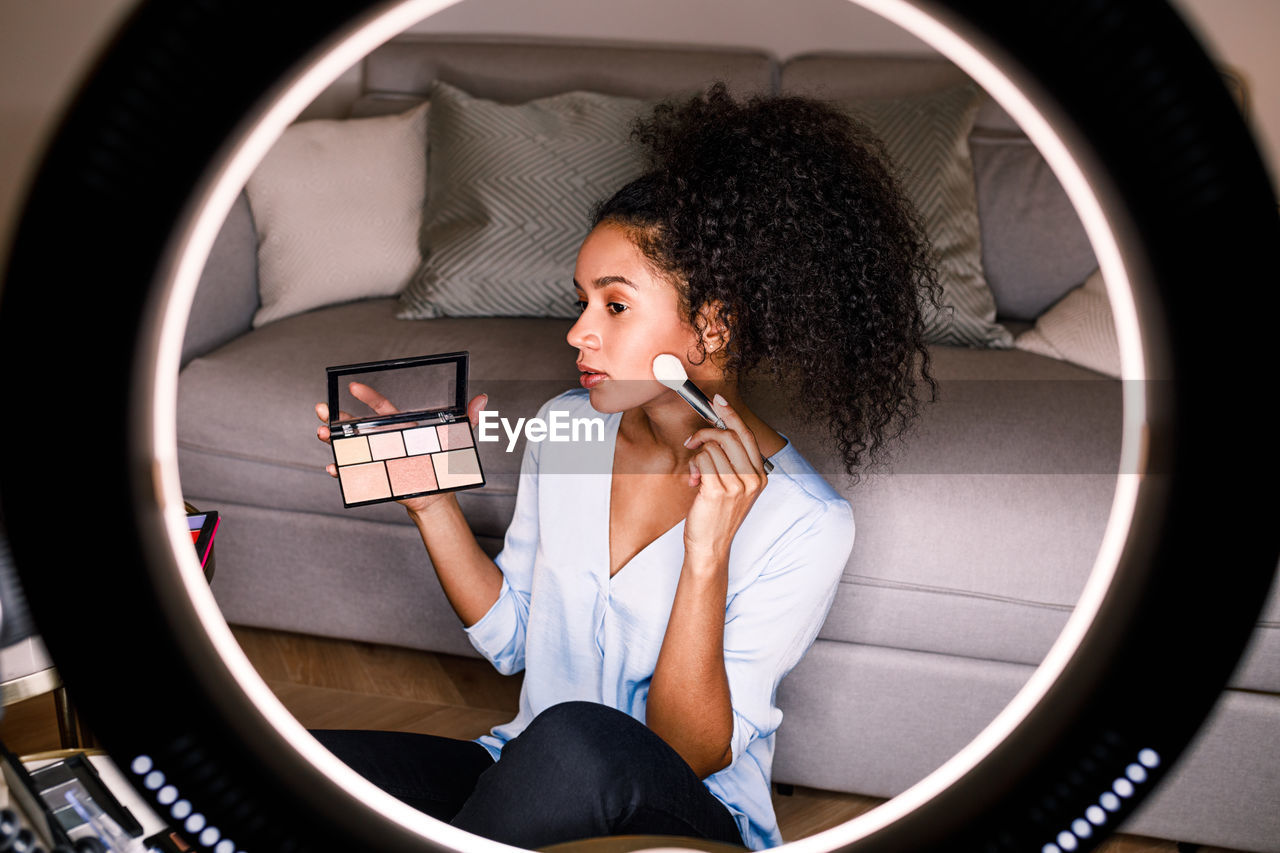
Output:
x,y
210,205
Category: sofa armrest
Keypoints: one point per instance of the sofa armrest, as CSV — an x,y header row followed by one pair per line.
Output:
x,y
227,296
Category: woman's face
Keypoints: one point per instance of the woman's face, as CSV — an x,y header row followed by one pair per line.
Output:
x,y
629,315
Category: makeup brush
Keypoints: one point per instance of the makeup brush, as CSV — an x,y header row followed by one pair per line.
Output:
x,y
668,370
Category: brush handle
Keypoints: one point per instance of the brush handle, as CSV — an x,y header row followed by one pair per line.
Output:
x,y
693,395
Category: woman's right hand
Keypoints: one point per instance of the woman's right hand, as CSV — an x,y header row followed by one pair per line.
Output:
x,y
381,405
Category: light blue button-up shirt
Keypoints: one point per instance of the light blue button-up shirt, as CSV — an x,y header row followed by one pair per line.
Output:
x,y
580,634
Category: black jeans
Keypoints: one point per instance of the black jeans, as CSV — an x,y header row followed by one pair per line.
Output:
x,y
579,770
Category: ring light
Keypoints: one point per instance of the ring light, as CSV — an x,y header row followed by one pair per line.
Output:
x,y
1118,97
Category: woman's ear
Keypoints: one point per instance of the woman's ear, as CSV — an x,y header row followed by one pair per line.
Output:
x,y
715,332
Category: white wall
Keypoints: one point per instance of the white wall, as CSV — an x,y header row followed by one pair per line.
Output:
x,y
46,44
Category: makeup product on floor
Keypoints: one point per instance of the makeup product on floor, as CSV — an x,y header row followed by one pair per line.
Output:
x,y
203,526
423,448
668,370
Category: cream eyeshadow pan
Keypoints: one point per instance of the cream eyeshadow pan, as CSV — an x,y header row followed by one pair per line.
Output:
x,y
409,453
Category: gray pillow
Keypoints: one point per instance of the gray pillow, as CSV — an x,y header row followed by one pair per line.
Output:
x,y
510,190
927,138
1034,248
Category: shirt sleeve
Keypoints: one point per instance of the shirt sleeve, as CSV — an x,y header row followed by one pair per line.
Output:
x,y
499,635
771,623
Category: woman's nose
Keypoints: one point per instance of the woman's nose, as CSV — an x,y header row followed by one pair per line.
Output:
x,y
581,334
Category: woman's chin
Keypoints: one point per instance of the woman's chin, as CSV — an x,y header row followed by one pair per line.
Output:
x,y
603,401
611,396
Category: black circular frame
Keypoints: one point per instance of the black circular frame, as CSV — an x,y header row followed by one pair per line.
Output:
x,y
1185,195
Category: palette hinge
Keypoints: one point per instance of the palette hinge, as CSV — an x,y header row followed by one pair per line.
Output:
x,y
448,417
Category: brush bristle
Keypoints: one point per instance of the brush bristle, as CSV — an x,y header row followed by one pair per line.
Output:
x,y
668,370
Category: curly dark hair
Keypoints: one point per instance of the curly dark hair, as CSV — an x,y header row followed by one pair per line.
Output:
x,y
784,212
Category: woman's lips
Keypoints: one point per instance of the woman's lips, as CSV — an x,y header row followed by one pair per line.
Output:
x,y
590,379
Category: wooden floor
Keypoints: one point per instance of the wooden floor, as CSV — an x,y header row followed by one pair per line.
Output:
x,y
338,684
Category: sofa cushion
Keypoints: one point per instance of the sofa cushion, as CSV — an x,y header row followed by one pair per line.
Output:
x,y
849,76
338,207
515,70
227,297
509,199
976,541
977,537
254,441
1259,666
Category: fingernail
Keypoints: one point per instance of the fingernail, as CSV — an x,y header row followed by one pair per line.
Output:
x,y
687,440
721,401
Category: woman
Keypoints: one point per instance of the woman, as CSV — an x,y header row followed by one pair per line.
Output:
x,y
655,615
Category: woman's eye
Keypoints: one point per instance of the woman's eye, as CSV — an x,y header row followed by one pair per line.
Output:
x,y
612,307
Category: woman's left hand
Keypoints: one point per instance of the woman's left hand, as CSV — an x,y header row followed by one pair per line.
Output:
x,y
729,473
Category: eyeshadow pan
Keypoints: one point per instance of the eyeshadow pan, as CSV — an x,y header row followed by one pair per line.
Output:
x,y
457,467
421,440
366,482
454,436
351,451
386,445
411,474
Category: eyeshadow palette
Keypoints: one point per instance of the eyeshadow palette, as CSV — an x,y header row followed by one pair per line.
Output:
x,y
419,445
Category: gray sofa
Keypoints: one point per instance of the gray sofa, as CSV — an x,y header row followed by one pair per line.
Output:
x,y
972,547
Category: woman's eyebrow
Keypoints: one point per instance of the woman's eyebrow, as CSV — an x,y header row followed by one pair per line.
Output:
x,y
605,281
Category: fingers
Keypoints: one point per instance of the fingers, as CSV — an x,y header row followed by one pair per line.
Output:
x,y
713,467
373,399
739,428
322,412
475,407
715,474
737,444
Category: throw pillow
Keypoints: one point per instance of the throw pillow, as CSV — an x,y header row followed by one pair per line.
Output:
x,y
509,197
927,139
1034,249
338,206
1079,329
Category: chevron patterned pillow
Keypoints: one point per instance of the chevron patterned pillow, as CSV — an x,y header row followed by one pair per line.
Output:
x,y
510,190
1080,329
927,138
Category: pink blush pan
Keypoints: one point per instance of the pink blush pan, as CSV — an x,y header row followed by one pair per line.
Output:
x,y
411,475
